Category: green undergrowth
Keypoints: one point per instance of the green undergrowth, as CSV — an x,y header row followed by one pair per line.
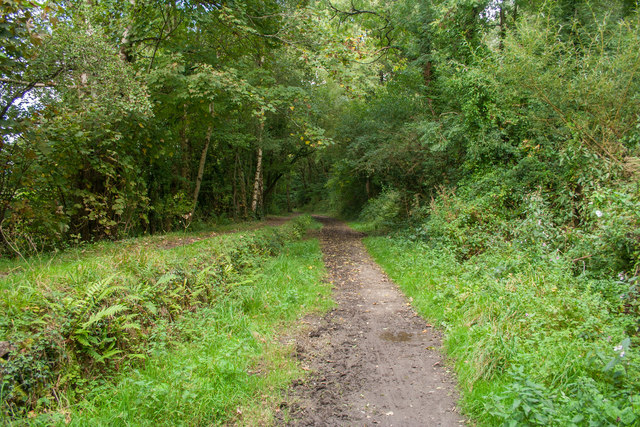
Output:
x,y
106,248
226,364
367,227
533,343
149,335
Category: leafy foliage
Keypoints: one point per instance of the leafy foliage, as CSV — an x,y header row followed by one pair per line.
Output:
x,y
115,116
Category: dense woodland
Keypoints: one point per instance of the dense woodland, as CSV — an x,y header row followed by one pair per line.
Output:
x,y
502,133
122,118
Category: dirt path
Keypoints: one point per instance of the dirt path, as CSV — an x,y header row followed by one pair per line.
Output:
x,y
373,360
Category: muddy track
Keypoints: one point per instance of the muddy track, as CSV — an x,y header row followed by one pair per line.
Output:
x,y
372,360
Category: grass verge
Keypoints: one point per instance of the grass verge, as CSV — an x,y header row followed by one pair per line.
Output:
x,y
107,325
107,249
228,364
532,344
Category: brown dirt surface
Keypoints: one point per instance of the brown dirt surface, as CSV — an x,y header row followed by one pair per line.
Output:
x,y
372,359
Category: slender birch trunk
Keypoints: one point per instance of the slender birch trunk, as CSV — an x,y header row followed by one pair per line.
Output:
x,y
257,183
126,36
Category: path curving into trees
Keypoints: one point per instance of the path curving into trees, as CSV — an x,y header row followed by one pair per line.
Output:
x,y
373,360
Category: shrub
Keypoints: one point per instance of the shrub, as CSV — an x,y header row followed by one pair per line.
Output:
x,y
383,211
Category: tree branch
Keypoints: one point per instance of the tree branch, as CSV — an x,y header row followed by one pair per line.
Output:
x,y
28,87
383,31
26,83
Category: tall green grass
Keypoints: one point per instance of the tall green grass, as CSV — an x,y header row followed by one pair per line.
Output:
x,y
75,325
532,343
228,364
104,249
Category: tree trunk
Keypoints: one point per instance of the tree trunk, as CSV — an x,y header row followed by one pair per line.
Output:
x,y
203,159
261,194
243,191
125,42
185,148
234,186
427,73
257,182
367,187
289,193
503,30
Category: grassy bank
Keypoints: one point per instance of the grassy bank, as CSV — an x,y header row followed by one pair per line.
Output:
x,y
107,249
184,333
532,343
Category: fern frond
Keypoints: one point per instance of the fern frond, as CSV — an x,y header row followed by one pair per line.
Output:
x,y
108,291
107,355
105,312
166,278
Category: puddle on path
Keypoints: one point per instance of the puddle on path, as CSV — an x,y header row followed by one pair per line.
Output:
x,y
399,337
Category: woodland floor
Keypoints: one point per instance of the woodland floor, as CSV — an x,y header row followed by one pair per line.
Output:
x,y
372,359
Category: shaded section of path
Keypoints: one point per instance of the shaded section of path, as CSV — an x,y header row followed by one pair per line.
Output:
x,y
373,360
